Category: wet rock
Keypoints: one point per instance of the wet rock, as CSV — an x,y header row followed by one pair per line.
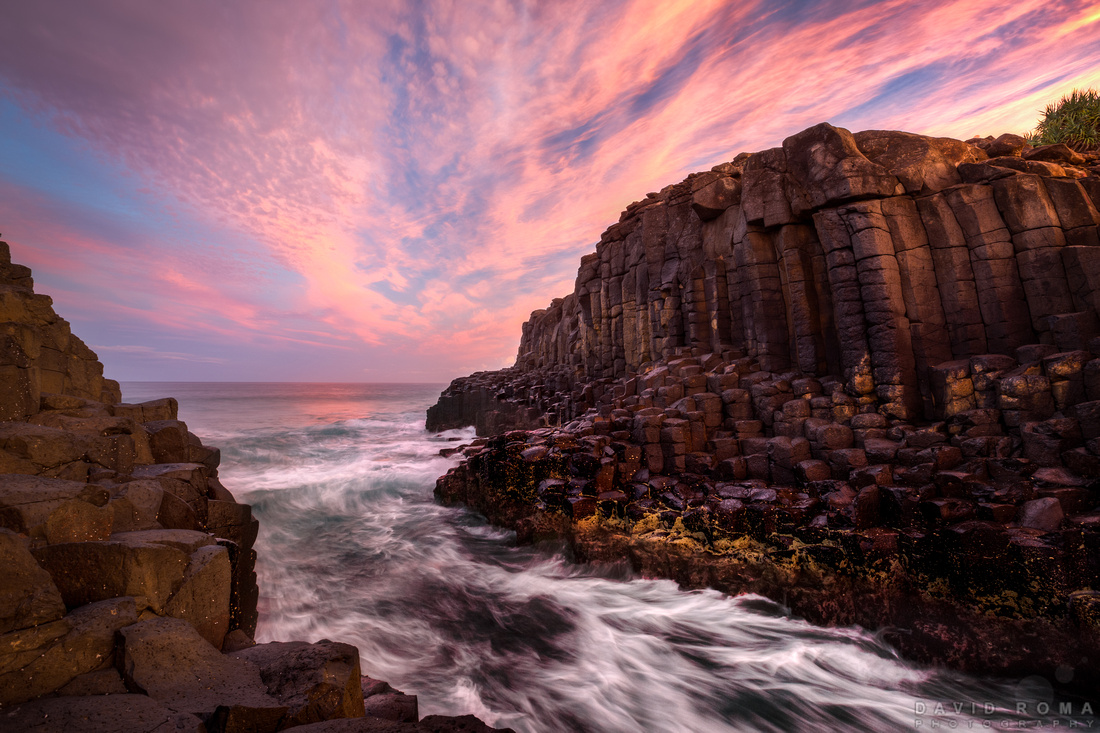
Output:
x,y
1045,514
393,706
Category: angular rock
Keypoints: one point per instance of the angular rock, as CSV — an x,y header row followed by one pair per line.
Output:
x,y
1045,514
28,596
43,659
85,572
26,501
393,706
78,521
121,713
316,682
101,682
825,163
203,598
136,505
169,661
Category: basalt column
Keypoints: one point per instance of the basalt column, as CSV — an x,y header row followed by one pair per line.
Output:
x,y
871,257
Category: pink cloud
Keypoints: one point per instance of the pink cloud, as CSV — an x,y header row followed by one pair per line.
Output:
x,y
430,176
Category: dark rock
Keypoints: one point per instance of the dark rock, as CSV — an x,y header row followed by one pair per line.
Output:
x,y
42,659
1045,514
315,682
226,693
28,596
101,714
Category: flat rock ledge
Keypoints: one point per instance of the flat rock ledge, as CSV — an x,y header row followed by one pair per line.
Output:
x,y
128,596
858,374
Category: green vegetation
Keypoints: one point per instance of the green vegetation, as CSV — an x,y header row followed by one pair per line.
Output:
x,y
1074,120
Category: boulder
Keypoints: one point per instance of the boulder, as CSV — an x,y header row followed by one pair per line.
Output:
x,y
709,201
38,448
826,165
42,659
316,682
393,706
26,501
185,481
168,660
1057,153
168,441
136,505
78,521
28,596
115,714
232,521
1006,144
86,572
1045,514
922,164
175,513
203,598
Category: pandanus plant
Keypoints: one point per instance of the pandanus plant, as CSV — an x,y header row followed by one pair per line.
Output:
x,y
1073,120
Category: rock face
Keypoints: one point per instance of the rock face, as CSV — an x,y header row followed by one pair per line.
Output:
x,y
871,257
129,568
38,352
870,359
104,510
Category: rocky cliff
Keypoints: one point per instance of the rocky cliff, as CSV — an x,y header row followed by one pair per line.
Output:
x,y
858,373
128,595
869,257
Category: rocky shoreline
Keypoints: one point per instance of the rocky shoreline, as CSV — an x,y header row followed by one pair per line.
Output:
x,y
128,600
858,374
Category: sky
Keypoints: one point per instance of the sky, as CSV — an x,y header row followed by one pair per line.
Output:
x,y
371,191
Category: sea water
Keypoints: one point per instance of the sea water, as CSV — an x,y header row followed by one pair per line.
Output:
x,y
353,548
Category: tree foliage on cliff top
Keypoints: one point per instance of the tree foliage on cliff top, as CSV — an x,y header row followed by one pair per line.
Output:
x,y
1073,120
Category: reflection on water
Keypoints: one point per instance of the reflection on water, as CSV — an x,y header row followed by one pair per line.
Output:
x,y
353,548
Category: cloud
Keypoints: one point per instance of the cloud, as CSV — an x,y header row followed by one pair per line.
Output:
x,y
148,352
417,177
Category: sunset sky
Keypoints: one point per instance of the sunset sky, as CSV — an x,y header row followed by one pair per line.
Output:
x,y
383,191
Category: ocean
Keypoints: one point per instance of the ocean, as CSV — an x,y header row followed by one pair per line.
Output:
x,y
353,548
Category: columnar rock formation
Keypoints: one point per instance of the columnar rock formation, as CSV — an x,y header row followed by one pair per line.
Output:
x,y
871,257
858,373
128,594
38,352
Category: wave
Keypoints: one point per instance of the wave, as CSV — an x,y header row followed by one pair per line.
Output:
x,y
440,604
